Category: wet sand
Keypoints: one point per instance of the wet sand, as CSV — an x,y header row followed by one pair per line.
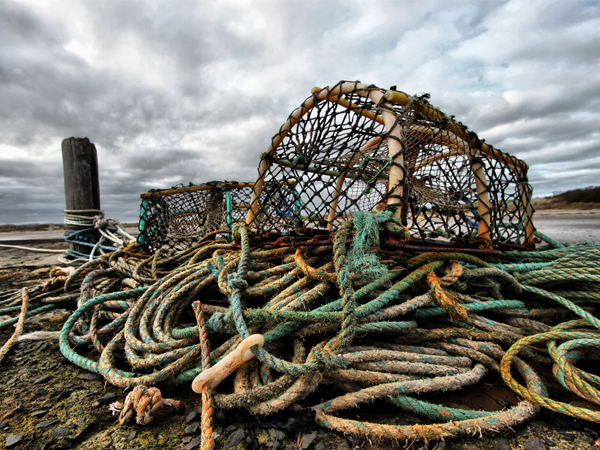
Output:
x,y
570,226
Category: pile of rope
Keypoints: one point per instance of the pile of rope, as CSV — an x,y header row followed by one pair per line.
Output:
x,y
355,316
94,233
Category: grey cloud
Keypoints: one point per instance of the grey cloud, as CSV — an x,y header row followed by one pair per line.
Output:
x,y
207,91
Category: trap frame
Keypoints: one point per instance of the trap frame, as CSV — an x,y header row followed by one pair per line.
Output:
x,y
356,147
179,216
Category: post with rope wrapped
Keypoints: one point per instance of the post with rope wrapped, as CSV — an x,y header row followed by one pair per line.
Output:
x,y
82,193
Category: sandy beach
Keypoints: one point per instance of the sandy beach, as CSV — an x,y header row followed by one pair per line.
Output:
x,y
569,226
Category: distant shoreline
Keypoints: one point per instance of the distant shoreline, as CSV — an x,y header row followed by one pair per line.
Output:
x,y
44,227
545,212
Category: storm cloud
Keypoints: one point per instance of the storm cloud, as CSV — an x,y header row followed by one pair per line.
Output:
x,y
192,91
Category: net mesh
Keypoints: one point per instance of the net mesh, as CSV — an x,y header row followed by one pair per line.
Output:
x,y
353,147
178,217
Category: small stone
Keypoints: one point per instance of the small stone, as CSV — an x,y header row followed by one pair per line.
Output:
x,y
234,439
276,435
251,441
107,398
23,372
89,376
39,391
534,444
63,444
308,439
61,394
192,428
131,436
12,440
46,423
60,432
191,416
503,444
193,444
43,379
320,446
2,425
39,413
42,346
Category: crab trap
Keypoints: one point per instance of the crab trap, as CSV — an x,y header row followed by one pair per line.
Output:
x,y
356,147
178,217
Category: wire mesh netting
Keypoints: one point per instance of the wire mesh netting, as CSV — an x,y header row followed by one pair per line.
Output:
x,y
178,217
354,147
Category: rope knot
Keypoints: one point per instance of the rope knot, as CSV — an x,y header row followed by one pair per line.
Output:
x,y
100,221
142,403
236,282
236,233
218,321
329,360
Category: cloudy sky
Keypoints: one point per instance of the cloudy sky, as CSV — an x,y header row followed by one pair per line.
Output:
x,y
178,91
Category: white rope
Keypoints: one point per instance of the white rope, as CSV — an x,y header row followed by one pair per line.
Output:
x,y
110,230
32,249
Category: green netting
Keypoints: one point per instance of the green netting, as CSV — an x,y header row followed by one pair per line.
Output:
x,y
179,216
353,147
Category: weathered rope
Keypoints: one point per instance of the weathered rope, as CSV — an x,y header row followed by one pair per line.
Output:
x,y
405,323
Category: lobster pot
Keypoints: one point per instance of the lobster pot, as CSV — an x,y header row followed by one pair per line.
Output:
x,y
177,218
355,147
457,192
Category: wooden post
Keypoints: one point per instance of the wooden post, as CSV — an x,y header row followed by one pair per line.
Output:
x,y
82,188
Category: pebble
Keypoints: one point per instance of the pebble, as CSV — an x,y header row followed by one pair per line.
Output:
x,y
276,435
39,413
63,444
13,439
3,424
46,423
192,428
251,441
60,432
89,376
534,444
39,391
43,379
107,398
503,444
193,444
61,394
308,439
42,346
131,436
191,416
234,439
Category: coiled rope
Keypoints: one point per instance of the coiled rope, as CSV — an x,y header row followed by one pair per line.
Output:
x,y
344,315
89,228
